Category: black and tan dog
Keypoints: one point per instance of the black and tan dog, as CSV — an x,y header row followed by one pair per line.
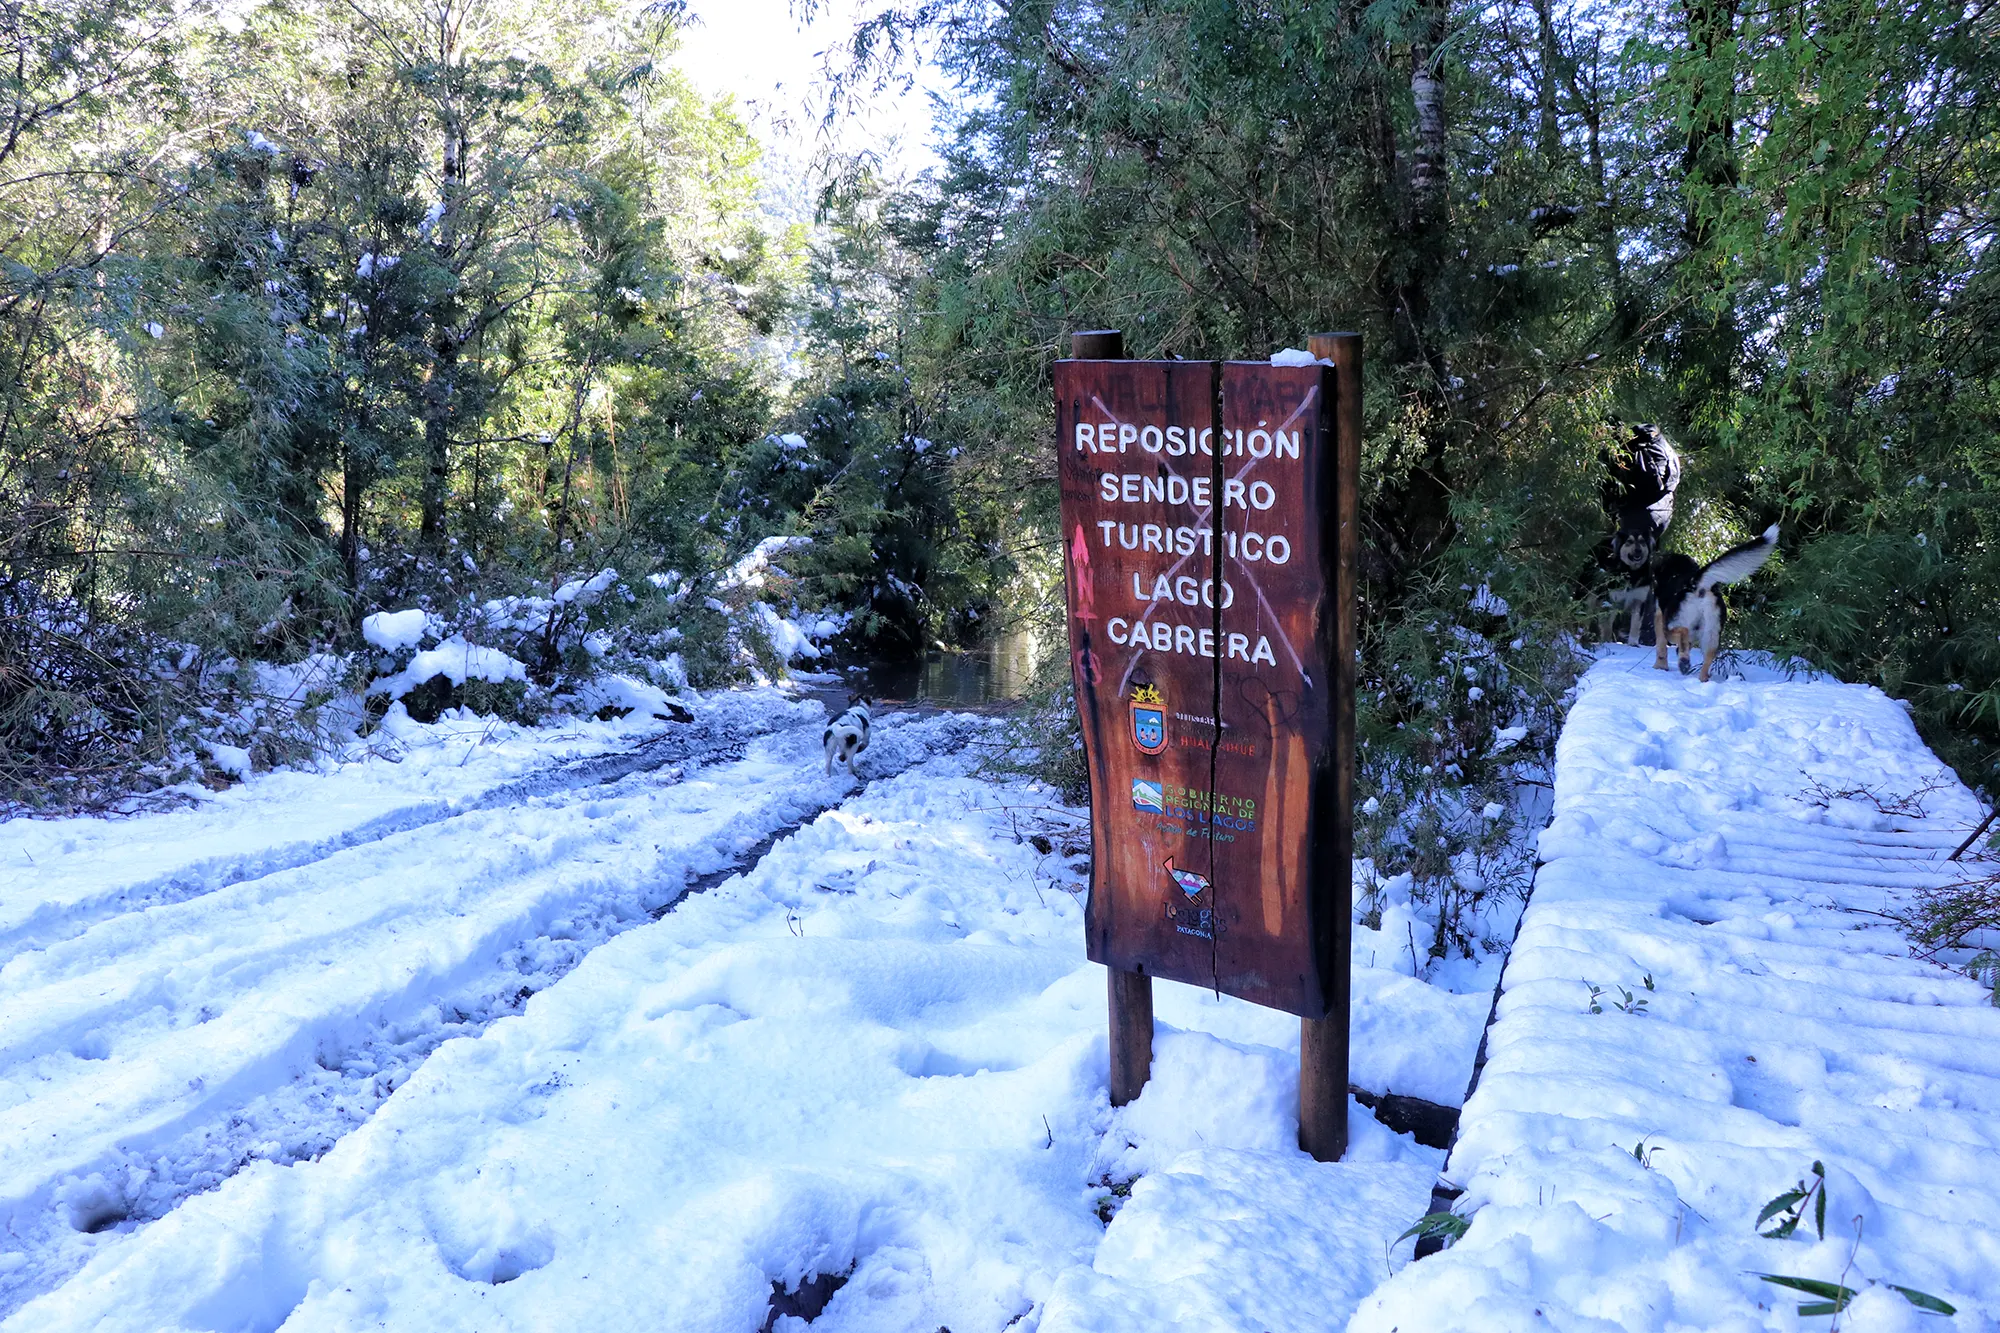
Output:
x,y
1689,598
1632,551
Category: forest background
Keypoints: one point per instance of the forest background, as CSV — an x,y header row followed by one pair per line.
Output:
x,y
316,308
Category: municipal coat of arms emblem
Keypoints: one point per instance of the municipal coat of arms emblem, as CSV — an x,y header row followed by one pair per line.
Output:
x,y
1149,720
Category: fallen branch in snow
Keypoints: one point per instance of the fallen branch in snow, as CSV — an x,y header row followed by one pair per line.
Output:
x,y
1974,836
1909,806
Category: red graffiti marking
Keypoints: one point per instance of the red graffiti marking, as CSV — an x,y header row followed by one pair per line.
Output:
x,y
1079,568
1086,602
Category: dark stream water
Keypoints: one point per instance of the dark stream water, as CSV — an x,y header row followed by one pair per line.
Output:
x,y
985,679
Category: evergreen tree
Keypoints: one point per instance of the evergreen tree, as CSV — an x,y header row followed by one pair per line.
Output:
x,y
1856,245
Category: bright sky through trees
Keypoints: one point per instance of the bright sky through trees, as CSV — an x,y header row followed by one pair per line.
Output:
x,y
759,52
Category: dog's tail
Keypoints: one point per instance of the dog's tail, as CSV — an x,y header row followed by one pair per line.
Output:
x,y
1739,562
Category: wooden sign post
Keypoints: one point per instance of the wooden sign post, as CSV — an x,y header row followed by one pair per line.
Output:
x,y
1209,528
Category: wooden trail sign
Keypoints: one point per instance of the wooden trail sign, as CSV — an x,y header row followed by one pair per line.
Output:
x,y
1208,535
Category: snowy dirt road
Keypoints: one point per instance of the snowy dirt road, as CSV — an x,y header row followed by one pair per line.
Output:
x,y
876,1057
221,986
57,877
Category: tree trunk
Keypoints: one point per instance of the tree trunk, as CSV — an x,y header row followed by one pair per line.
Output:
x,y
1427,161
1548,79
1413,519
351,489
437,446
1589,100
441,388
440,397
1708,163
1708,177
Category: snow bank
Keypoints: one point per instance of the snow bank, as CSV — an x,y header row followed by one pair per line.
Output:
x,y
798,635
455,660
397,629
624,694
57,876
788,640
1716,855
293,683
792,632
231,759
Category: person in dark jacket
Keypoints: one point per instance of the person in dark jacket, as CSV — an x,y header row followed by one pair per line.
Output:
x,y
1639,487
1643,478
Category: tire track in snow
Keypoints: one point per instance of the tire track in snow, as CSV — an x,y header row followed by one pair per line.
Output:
x,y
52,921
110,1136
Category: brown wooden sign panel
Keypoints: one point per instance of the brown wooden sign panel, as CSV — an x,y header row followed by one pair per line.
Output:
x,y
1202,647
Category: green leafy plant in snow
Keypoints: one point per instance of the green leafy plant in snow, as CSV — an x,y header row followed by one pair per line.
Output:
x,y
1447,1227
1790,1207
1834,1297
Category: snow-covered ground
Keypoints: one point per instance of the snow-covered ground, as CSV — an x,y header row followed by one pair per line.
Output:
x,y
248,980
232,1098
1714,858
449,1045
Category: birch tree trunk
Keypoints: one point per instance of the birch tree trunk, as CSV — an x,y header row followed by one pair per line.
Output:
x,y
1415,521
